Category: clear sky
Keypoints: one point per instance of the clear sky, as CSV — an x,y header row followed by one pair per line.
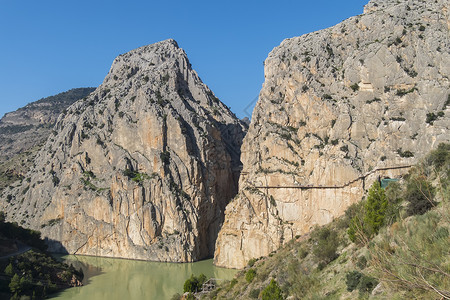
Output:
x,y
50,46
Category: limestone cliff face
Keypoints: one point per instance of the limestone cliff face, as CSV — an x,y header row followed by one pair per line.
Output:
x,y
31,125
24,131
338,108
142,168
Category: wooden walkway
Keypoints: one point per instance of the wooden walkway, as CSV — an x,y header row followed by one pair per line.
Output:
x,y
306,187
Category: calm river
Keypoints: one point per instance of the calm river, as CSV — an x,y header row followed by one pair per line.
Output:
x,y
111,279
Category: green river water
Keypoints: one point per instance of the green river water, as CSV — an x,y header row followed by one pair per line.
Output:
x,y
111,279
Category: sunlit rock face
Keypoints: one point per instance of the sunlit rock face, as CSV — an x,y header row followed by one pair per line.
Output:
x,y
338,108
142,168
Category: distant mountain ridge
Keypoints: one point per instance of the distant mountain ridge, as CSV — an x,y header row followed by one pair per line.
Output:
x,y
23,131
34,121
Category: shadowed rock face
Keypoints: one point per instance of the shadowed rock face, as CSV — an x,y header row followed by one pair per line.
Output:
x,y
142,168
336,108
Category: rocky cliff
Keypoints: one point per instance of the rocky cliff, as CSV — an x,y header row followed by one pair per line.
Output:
x,y
24,131
338,108
142,168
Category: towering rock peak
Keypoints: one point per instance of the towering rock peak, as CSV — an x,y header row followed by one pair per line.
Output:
x,y
142,168
338,108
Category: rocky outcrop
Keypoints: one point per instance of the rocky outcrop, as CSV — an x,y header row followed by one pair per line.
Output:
x,y
24,131
142,168
338,108
31,125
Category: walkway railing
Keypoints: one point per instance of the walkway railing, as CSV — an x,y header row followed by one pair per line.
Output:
x,y
305,187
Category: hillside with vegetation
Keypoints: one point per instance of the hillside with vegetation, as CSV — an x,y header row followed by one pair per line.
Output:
x,y
27,271
394,244
339,107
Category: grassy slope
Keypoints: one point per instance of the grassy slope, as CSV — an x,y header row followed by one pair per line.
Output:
x,y
400,256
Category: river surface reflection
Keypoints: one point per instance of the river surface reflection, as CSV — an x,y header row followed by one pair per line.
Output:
x,y
110,279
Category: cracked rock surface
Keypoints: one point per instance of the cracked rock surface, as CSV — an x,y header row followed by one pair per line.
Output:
x,y
142,168
338,108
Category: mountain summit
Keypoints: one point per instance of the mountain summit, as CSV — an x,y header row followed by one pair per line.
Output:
x,y
142,168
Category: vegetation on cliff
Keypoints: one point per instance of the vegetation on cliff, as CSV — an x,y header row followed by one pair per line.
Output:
x,y
394,244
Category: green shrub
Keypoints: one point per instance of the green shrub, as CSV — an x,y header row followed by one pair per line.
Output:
x,y
367,284
272,292
251,262
254,293
405,154
55,180
419,195
176,296
9,270
352,280
394,196
356,280
439,157
431,117
250,275
194,284
413,255
190,296
325,244
375,211
355,230
355,87
233,283
302,252
361,262
368,220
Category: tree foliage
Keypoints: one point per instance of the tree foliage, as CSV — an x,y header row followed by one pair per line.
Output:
x,y
194,284
370,217
250,275
419,195
376,207
326,242
272,291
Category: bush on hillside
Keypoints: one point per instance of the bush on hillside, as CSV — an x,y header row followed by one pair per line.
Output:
x,y
439,157
394,195
250,275
376,207
370,217
272,292
419,195
326,242
356,280
367,284
352,280
194,284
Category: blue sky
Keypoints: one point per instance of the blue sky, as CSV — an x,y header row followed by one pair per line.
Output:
x,y
47,47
